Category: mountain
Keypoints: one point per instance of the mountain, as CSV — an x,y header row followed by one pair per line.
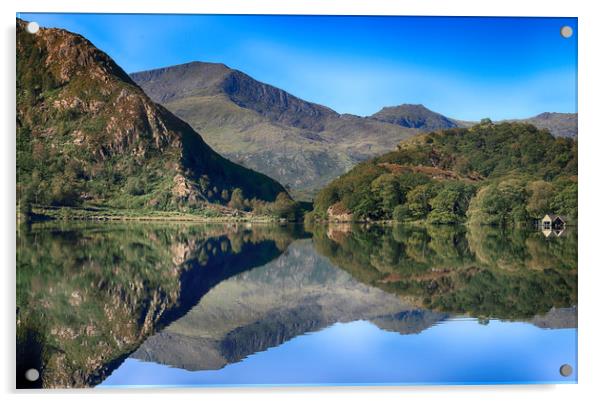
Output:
x,y
299,143
414,116
559,124
423,119
86,133
491,173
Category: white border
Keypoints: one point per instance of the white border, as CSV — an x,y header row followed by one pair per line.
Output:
x,y
590,123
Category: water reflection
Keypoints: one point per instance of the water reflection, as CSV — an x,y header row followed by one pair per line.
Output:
x,y
481,271
87,296
205,297
299,292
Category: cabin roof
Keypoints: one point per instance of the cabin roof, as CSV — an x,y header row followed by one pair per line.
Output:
x,y
553,217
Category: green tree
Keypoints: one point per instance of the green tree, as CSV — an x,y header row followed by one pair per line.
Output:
x,y
401,213
500,204
387,194
237,200
565,202
285,207
134,186
541,194
363,204
418,200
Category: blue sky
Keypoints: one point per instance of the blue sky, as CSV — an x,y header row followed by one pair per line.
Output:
x,y
466,68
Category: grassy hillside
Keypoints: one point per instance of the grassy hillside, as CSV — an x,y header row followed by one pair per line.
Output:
x,y
301,144
490,173
88,135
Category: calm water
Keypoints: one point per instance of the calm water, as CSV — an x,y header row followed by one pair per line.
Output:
x,y
207,305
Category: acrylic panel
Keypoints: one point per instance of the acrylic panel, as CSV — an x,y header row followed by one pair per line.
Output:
x,y
260,200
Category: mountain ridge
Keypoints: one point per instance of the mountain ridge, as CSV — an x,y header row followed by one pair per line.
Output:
x,y
301,144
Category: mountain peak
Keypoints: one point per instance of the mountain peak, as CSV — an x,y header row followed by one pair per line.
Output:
x,y
559,124
70,55
199,79
414,116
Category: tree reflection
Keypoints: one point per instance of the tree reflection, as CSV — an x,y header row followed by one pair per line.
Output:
x,y
481,271
89,295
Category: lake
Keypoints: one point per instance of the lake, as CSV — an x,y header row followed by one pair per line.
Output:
x,y
138,305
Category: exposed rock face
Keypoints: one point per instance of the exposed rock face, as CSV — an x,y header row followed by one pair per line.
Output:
x,y
338,213
557,318
77,108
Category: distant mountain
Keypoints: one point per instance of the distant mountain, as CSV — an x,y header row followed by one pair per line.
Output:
x,y
414,116
559,124
299,143
87,132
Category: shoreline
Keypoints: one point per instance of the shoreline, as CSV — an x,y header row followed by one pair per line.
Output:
x,y
102,214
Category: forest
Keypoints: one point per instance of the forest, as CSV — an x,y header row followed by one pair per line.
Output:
x,y
496,174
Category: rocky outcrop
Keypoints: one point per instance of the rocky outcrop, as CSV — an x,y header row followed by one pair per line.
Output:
x,y
339,213
76,107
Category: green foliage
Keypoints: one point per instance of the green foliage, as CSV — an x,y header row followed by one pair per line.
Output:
x,y
135,186
450,204
541,194
90,140
500,204
419,200
286,208
387,193
401,213
504,174
565,202
237,200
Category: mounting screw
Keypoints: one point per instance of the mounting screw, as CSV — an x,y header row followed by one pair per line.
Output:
x,y
33,27
32,375
566,32
566,370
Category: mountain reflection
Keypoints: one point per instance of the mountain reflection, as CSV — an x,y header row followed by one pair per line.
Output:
x,y
298,292
201,297
87,296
